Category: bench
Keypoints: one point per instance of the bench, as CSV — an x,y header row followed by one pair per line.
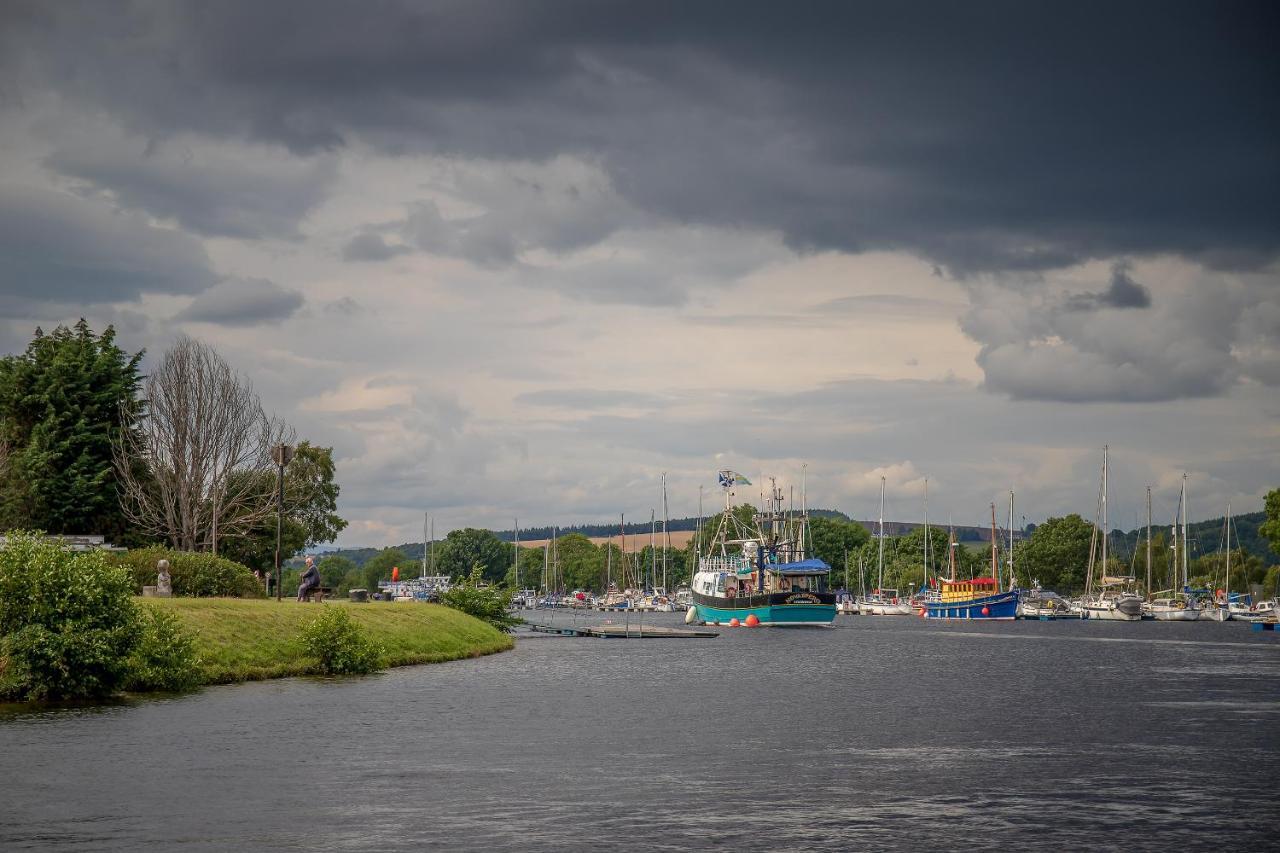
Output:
x,y
320,593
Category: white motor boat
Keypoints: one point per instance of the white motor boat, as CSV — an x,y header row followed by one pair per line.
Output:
x,y
1259,612
884,603
1115,606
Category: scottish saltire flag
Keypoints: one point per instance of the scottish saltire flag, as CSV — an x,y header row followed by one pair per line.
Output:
x,y
728,479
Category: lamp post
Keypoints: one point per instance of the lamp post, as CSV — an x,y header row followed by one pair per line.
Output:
x,y
281,454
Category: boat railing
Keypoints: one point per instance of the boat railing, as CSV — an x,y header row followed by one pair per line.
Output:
x,y
734,565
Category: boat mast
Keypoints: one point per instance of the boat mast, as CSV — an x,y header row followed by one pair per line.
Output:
x,y
555,559
515,564
995,547
622,555
666,534
546,568
804,511
653,550
880,559
426,523
926,535
951,548
1228,583
608,566
1186,542
1012,584
1148,543
1105,528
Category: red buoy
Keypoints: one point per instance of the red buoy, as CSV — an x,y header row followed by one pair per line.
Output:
x,y
752,620
986,611
734,623
923,612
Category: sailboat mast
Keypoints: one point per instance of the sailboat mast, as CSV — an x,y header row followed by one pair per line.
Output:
x,y
426,523
1011,581
1186,542
1105,526
1148,543
951,548
926,535
666,534
515,565
1228,583
880,559
653,550
995,547
555,560
546,568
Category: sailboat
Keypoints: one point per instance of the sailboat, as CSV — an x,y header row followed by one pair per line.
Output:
x,y
761,573
881,601
1113,600
1171,608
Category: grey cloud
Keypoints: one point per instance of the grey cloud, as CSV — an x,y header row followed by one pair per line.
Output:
x,y
57,248
1123,292
582,399
368,246
888,303
988,136
245,193
242,302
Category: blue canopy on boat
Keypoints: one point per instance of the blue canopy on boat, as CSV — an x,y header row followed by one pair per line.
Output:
x,y
812,566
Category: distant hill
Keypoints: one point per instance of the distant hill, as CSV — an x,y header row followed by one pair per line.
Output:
x,y
1207,537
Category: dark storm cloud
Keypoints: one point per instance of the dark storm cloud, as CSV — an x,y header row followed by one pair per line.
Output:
x,y
207,193
242,302
56,248
1123,292
984,136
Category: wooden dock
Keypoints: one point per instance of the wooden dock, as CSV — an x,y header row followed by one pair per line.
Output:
x,y
628,632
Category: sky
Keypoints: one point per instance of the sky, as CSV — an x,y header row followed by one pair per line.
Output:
x,y
516,260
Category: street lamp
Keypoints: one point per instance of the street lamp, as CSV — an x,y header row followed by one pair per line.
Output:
x,y
280,454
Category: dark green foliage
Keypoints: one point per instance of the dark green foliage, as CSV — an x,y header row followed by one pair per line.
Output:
x,y
192,574
340,645
68,621
833,539
61,405
1270,529
483,601
462,549
334,571
1056,554
165,658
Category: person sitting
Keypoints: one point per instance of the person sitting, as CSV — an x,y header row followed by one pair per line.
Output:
x,y
310,580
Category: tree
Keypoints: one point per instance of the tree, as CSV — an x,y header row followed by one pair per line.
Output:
x,y
334,570
461,549
193,468
1056,554
1271,527
65,401
310,511
378,567
475,597
833,539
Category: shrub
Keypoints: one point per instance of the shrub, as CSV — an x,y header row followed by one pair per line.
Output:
x,y
476,599
197,575
68,619
340,644
165,658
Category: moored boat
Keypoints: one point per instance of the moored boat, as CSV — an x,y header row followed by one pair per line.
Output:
x,y
974,598
1172,610
761,570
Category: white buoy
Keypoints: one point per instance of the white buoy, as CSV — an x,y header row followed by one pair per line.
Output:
x,y
691,615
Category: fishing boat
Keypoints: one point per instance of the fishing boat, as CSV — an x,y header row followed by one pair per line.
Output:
x,y
761,572
1114,599
974,598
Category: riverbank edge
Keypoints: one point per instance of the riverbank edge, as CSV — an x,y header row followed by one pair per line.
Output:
x,y
242,640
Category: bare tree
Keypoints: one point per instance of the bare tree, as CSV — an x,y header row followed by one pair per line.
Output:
x,y
197,464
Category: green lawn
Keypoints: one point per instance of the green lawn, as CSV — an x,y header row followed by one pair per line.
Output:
x,y
248,639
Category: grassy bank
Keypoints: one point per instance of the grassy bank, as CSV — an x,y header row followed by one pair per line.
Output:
x,y
247,639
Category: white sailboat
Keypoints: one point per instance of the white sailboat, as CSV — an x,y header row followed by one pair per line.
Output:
x,y
883,602
1114,600
1171,607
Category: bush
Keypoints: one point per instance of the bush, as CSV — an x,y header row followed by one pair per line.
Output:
x,y
68,620
340,644
476,599
198,575
165,658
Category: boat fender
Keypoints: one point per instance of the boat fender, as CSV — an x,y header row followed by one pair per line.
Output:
x,y
691,615
986,611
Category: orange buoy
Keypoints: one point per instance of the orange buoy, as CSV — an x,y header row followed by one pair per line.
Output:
x,y
986,611
923,612
395,573
752,620
734,623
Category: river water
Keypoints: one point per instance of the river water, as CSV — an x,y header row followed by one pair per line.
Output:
x,y
883,733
